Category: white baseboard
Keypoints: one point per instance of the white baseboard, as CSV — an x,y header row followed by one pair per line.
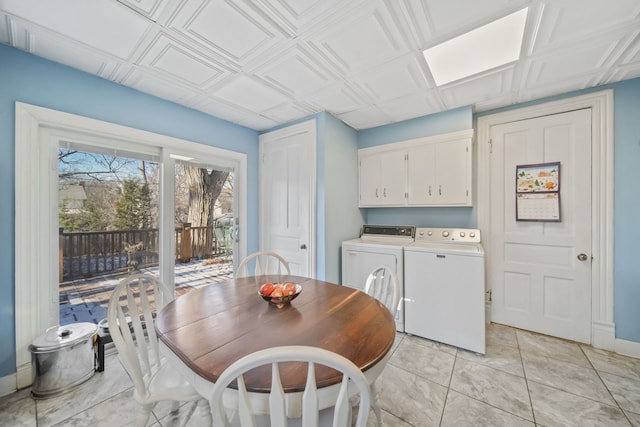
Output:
x,y
603,335
24,376
8,385
627,348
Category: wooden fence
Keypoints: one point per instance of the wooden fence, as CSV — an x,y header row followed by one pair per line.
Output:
x,y
95,253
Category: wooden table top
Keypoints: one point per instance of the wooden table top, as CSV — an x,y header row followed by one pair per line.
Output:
x,y
211,327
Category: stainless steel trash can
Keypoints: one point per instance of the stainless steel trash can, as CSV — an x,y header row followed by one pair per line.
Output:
x,y
62,358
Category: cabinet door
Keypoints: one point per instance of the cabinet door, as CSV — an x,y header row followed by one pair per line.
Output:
x,y
382,179
393,178
453,173
439,174
421,175
369,180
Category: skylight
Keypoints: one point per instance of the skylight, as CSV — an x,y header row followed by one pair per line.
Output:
x,y
484,48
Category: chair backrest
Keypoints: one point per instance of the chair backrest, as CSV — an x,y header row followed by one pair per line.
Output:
x,y
130,316
265,263
279,402
383,284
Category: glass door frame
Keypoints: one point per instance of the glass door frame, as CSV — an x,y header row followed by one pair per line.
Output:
x,y
38,132
166,221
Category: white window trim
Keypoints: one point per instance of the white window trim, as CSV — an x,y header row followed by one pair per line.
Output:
x,y
601,104
37,133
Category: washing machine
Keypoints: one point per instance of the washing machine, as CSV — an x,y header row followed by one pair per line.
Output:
x,y
378,245
444,287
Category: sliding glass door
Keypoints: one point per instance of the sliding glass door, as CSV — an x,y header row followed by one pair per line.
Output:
x,y
42,137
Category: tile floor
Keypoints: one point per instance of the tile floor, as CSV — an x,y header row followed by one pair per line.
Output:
x,y
525,379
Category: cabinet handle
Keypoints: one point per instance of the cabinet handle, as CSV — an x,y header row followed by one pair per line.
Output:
x,y
384,192
376,193
429,190
440,190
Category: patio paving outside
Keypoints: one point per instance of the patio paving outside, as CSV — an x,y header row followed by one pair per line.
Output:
x,y
86,300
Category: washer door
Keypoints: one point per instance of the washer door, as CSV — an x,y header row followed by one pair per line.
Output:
x,y
356,266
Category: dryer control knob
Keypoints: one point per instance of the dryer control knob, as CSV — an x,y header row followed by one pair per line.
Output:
x,y
445,234
472,234
462,234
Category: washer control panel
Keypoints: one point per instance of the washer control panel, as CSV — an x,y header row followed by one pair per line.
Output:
x,y
445,235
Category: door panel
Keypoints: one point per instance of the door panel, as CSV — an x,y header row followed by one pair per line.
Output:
x,y
287,201
537,281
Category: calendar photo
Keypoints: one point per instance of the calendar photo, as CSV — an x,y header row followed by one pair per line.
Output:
x,y
538,192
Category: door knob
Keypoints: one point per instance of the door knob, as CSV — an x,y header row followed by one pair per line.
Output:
x,y
582,257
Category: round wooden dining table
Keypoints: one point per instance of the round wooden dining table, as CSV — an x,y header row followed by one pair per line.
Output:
x,y
208,328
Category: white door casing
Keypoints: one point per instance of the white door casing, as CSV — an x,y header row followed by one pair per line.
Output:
x,y
601,207
38,132
287,217
538,283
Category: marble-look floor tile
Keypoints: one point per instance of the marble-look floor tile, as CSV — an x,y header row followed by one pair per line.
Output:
x,y
410,397
566,376
18,410
100,387
187,415
500,389
462,411
633,418
612,363
553,407
432,344
555,348
488,389
501,335
423,360
397,340
626,391
387,420
120,410
501,357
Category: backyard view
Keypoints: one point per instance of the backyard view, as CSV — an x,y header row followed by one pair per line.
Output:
x,y
108,227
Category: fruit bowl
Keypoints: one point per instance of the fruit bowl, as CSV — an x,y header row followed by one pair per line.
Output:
x,y
279,294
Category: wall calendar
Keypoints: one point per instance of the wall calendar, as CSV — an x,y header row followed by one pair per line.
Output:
x,y
538,192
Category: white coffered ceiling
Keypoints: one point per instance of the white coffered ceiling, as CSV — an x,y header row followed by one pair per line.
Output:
x,y
261,63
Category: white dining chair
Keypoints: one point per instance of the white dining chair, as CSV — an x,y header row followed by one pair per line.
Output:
x,y
383,284
297,408
130,317
265,263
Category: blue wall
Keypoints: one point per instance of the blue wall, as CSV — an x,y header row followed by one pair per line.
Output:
x,y
27,78
627,210
343,219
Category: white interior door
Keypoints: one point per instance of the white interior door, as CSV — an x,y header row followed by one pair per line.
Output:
x,y
539,277
287,195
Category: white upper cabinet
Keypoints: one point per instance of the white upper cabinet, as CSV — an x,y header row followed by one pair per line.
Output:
x,y
382,179
429,171
440,174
